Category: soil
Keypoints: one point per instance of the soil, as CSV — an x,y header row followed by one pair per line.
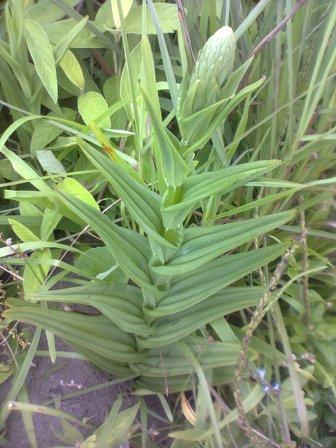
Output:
x,y
48,381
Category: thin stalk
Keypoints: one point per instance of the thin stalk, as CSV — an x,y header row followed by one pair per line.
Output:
x,y
305,267
132,81
291,360
290,67
165,55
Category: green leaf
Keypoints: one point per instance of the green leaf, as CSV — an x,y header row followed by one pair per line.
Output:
x,y
201,186
67,38
76,189
249,404
99,262
212,277
71,67
46,12
203,392
167,14
147,75
49,222
96,333
49,162
43,134
221,116
130,250
116,429
203,244
126,6
177,326
23,247
42,55
172,165
120,303
36,270
22,231
70,33
92,105
141,202
25,171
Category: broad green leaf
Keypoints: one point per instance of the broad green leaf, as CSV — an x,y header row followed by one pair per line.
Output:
x,y
42,54
66,40
202,244
147,75
125,6
212,277
100,263
235,78
201,186
96,333
49,222
27,209
25,171
35,274
32,197
167,14
221,116
173,167
82,38
18,70
177,326
111,88
49,162
252,205
142,203
120,303
130,250
76,189
22,231
71,67
45,12
44,132
199,127
104,19
92,105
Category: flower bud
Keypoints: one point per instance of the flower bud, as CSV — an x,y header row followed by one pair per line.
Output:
x,y
215,60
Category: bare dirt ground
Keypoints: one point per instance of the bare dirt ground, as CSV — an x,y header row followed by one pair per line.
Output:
x,y
47,381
